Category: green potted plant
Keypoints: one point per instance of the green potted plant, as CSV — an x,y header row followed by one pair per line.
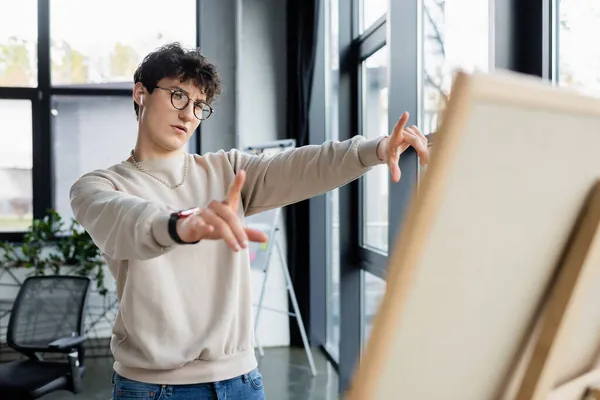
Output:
x,y
50,248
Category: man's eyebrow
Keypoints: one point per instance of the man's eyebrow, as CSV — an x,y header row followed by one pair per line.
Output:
x,y
186,92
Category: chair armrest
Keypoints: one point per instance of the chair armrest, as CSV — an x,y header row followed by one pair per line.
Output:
x,y
67,342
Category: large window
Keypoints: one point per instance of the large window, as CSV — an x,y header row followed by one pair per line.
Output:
x,y
579,63
375,124
107,48
15,165
455,35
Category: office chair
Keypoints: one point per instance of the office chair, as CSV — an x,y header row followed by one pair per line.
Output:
x,y
47,317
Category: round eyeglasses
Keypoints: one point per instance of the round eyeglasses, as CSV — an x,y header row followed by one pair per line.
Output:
x,y
180,100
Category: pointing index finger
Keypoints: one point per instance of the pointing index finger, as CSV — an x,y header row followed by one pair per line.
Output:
x,y
398,128
235,189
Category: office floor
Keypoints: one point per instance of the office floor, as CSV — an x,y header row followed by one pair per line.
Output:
x,y
285,373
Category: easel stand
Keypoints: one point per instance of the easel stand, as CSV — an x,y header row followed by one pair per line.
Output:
x,y
273,243
550,337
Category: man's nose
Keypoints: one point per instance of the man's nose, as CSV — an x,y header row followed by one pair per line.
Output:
x,y
187,114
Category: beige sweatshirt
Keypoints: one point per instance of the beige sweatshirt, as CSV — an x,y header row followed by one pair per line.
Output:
x,y
185,311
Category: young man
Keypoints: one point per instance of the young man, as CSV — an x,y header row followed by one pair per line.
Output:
x,y
170,225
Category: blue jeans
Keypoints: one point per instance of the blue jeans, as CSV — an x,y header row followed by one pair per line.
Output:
x,y
245,387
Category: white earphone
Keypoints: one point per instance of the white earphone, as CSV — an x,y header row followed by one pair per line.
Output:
x,y
142,99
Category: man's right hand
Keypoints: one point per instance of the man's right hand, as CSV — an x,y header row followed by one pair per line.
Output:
x,y
220,221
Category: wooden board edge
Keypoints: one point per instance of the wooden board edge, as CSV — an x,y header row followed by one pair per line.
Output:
x,y
409,245
522,358
562,305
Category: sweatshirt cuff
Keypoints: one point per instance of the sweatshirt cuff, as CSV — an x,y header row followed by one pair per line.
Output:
x,y
367,152
160,230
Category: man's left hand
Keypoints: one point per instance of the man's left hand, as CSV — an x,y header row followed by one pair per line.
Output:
x,y
391,147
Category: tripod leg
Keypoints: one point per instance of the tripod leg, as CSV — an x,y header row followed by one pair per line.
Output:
x,y
292,294
260,305
260,349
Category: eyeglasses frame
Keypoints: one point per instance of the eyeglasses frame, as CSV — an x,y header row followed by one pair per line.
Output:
x,y
173,91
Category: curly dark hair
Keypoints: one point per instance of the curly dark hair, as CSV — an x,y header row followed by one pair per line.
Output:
x,y
173,61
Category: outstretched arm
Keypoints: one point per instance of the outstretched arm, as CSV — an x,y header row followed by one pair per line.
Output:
x,y
302,173
309,171
123,226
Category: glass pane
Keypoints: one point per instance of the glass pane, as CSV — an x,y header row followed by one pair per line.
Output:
x,y
89,133
18,44
372,10
333,279
333,264
107,48
375,123
16,196
456,35
373,291
578,65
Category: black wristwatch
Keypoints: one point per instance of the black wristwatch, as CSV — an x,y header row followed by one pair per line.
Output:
x,y
173,224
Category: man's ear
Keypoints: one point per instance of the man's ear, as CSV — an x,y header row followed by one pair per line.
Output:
x,y
138,93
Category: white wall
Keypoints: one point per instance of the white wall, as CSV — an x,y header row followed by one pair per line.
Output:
x,y
261,117
262,72
218,43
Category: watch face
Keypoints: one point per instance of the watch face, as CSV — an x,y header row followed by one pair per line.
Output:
x,y
187,213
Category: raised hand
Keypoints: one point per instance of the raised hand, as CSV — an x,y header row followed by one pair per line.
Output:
x,y
219,220
401,138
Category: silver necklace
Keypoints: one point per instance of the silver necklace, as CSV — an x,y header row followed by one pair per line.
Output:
x,y
167,184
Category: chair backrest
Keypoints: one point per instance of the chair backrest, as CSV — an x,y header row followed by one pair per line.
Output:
x,y
47,308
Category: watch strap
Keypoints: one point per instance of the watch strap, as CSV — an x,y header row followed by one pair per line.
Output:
x,y
173,218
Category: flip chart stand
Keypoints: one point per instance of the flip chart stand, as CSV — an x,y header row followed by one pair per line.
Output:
x,y
260,259
260,255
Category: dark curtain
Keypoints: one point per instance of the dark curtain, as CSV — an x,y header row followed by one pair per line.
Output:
x,y
302,25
